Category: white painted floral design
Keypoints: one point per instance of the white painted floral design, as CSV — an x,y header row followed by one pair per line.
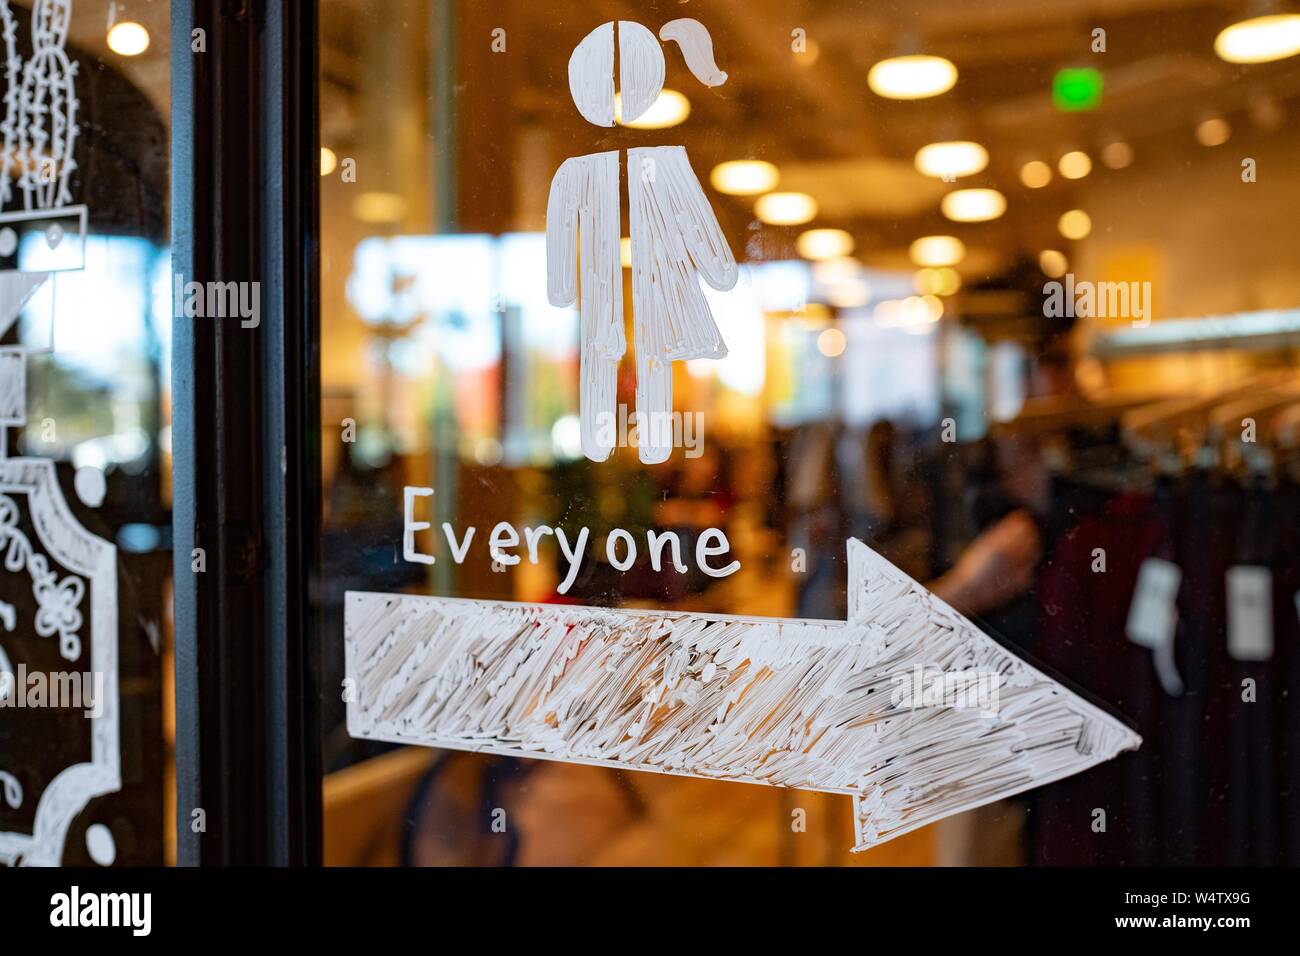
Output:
x,y
58,602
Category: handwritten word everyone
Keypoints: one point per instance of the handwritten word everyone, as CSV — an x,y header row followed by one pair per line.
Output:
x,y
620,545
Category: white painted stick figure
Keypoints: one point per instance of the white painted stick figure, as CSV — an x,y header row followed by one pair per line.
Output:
x,y
674,233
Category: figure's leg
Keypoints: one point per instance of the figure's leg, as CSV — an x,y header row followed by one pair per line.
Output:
x,y
601,298
654,407
585,193
670,250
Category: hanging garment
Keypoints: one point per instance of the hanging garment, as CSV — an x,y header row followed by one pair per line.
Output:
x,y
1253,687
1285,701
1085,590
1194,798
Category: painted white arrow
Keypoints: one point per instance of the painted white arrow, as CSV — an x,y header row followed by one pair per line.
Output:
x,y
819,705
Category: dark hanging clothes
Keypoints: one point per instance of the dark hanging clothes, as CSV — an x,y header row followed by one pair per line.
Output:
x,y
1081,634
1285,700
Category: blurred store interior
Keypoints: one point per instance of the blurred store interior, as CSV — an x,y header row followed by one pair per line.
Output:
x,y
902,184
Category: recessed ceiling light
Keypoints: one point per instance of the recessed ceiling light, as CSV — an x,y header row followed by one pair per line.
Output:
x,y
379,207
973,205
669,109
960,158
1260,39
1075,224
853,294
1267,112
809,55
929,281
1075,164
1053,263
831,342
912,77
1213,131
1035,174
885,314
786,209
937,251
824,243
1117,155
128,38
916,312
836,269
744,177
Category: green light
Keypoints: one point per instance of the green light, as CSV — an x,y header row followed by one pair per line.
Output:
x,y
1076,90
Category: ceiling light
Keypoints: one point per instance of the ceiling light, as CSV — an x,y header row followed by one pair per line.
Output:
x,y
810,54
128,38
1075,224
1035,174
1260,39
973,205
945,281
744,177
949,160
937,251
1074,165
328,161
1053,263
853,294
887,314
836,269
669,109
1117,155
824,243
915,312
831,342
1267,112
786,209
912,77
1213,131
379,207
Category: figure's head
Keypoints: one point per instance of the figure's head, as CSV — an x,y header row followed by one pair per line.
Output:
x,y
641,67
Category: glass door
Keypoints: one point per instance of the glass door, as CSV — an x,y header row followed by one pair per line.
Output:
x,y
652,332
86,632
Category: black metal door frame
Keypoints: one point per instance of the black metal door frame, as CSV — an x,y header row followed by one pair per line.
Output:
x,y
246,432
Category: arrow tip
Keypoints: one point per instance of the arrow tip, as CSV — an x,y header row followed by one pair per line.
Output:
x,y
946,757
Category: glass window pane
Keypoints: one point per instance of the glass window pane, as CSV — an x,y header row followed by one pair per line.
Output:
x,y
85,526
1014,305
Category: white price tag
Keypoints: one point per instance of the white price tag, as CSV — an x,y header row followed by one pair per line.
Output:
x,y
1250,613
1153,615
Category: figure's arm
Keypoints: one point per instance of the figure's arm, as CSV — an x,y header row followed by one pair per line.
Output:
x,y
562,235
707,246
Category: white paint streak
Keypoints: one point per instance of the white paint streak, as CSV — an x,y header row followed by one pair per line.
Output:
x,y
697,49
780,702
15,289
13,385
591,76
640,69
675,239
582,229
